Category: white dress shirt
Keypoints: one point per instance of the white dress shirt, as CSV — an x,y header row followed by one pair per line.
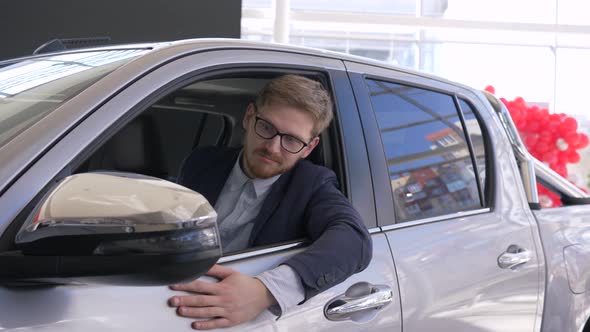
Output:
x,y
238,204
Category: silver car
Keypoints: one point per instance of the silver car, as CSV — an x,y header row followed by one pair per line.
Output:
x,y
92,140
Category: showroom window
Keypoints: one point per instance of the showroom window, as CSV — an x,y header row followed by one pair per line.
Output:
x,y
530,49
507,44
428,156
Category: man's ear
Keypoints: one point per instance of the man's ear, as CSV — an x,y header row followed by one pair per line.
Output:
x,y
250,111
310,146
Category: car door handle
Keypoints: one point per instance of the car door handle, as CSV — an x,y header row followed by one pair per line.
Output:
x,y
359,303
514,257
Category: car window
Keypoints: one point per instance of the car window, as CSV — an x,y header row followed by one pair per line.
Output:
x,y
32,88
427,152
208,112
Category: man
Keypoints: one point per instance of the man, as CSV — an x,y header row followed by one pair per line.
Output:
x,y
265,193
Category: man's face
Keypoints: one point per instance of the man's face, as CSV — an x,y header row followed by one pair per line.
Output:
x,y
265,158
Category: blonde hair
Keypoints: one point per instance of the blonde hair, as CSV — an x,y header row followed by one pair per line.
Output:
x,y
302,93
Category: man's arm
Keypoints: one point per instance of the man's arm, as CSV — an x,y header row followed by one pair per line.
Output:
x,y
341,244
285,286
341,247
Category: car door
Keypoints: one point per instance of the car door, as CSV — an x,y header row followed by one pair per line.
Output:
x,y
74,306
455,214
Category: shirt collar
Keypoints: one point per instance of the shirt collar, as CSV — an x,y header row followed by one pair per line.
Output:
x,y
238,178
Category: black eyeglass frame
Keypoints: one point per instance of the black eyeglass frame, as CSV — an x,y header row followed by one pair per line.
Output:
x,y
277,133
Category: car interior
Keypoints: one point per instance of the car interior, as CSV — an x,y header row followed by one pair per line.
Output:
x,y
205,113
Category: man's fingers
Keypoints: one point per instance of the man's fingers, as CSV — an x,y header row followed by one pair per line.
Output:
x,y
220,272
197,286
205,312
194,301
212,324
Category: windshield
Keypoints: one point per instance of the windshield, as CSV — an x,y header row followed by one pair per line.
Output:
x,y
32,88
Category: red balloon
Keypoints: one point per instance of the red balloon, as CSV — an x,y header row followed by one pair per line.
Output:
x,y
526,114
547,136
554,165
551,138
530,141
520,103
573,157
543,119
562,157
541,147
561,170
532,126
516,115
568,126
490,89
572,139
553,123
544,113
571,123
541,189
522,125
550,157
554,198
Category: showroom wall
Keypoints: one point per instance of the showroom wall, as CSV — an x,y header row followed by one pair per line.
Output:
x,y
27,24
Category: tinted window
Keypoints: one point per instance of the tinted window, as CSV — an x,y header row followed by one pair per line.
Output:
x,y
429,162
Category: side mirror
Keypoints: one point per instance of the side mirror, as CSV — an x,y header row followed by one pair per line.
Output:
x,y
115,228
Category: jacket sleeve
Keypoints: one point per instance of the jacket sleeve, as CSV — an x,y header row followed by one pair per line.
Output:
x,y
341,244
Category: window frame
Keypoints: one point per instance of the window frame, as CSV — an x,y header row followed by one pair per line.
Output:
x,y
207,72
387,218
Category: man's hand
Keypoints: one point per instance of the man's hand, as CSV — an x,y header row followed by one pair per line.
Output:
x,y
235,299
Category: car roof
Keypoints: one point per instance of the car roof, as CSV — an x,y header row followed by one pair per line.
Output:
x,y
186,45
228,43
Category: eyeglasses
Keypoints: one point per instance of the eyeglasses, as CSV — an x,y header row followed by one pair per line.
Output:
x,y
266,130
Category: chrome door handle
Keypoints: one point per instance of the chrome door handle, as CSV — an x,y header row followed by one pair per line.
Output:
x,y
360,302
514,257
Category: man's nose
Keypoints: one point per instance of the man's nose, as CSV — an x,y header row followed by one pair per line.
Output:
x,y
274,144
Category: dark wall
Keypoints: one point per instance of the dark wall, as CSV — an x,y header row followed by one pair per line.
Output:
x,y
27,24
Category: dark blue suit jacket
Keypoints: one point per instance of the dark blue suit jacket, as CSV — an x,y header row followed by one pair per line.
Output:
x,y
304,202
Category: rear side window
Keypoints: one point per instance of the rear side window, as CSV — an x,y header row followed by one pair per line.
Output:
x,y
430,163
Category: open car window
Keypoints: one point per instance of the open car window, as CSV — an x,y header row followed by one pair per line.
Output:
x,y
208,112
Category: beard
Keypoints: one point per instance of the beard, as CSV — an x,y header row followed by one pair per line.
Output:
x,y
261,169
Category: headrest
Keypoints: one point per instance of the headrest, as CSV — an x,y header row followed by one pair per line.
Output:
x,y
133,148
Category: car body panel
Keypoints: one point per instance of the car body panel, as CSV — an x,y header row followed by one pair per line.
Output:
x,y
109,308
448,265
567,241
450,279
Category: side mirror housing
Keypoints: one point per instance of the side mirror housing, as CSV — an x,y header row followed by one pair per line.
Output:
x,y
115,228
